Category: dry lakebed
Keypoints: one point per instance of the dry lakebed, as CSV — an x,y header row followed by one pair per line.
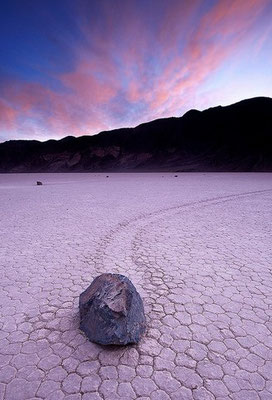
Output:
x,y
198,248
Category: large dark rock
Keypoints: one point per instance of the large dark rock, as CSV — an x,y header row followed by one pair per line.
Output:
x,y
111,311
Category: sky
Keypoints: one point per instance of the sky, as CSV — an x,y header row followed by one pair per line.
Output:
x,y
77,67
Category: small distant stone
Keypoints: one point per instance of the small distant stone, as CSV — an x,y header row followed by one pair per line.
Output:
x,y
111,311
107,176
176,176
39,183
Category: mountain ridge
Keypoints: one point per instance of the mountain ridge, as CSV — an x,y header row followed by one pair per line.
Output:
x,y
237,137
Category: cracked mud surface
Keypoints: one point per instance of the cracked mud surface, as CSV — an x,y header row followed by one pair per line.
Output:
x,y
197,248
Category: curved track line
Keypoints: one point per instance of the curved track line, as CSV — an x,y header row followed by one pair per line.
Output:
x,y
107,239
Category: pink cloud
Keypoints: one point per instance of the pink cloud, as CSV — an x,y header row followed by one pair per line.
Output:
x,y
58,114
7,116
125,64
86,87
204,53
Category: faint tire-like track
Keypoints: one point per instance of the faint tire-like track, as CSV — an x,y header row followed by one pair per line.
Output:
x,y
106,240
194,321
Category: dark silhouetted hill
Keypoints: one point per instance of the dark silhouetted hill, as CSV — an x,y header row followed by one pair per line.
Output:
x,y
233,138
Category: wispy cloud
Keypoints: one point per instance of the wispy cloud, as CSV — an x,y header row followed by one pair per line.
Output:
x,y
132,62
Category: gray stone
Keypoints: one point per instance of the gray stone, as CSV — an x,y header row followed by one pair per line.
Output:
x,y
111,311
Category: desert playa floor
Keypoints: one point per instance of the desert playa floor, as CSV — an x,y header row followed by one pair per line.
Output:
x,y
197,247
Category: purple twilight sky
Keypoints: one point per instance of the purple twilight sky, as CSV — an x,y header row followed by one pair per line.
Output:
x,y
78,67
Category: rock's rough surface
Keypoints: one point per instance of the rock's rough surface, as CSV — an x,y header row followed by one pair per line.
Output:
x,y
111,311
